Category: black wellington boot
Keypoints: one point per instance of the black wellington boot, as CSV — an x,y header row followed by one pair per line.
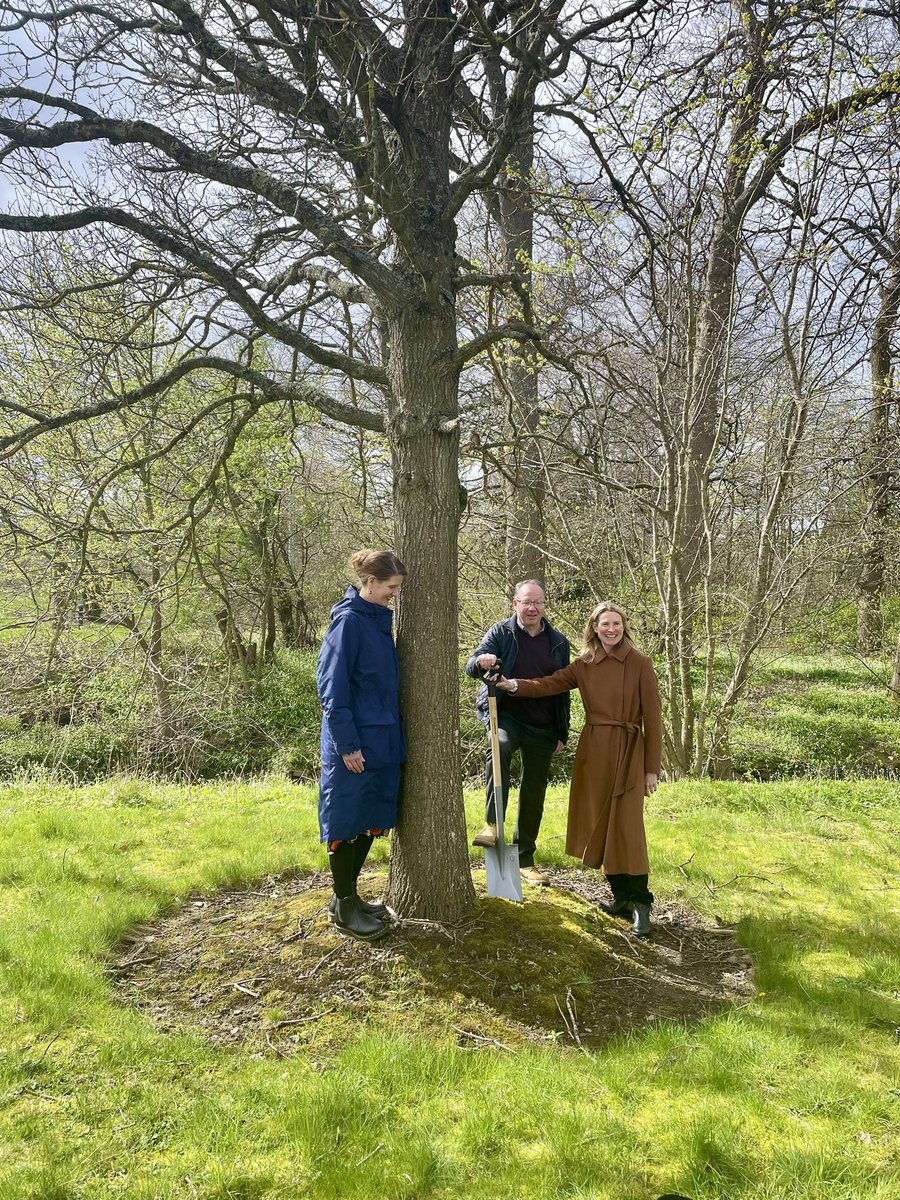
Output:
x,y
641,926
374,910
361,847
350,919
617,908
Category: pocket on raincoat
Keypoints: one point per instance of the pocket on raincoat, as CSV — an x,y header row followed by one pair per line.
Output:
x,y
382,745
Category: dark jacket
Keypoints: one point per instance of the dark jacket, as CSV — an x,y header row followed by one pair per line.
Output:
x,y
502,640
358,678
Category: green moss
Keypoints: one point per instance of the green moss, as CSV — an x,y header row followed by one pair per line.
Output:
x,y
555,969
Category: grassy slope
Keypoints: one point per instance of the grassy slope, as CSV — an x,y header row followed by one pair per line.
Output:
x,y
795,1094
829,716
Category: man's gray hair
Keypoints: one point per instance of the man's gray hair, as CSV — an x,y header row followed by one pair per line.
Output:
x,y
528,583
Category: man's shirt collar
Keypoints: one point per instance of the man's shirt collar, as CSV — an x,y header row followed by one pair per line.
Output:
x,y
524,630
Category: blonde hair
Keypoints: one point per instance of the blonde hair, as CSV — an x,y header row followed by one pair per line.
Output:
x,y
375,564
590,642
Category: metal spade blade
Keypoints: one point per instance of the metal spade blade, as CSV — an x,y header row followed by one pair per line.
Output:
x,y
501,862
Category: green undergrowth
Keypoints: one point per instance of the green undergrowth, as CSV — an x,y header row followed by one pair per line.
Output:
x,y
791,1093
826,717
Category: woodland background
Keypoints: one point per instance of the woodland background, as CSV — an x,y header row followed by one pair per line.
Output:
x,y
601,293
608,297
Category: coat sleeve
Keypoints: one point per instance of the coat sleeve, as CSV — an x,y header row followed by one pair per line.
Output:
x,y
490,644
566,703
337,660
562,680
651,713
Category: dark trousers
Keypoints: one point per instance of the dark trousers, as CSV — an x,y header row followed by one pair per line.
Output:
x,y
630,887
536,746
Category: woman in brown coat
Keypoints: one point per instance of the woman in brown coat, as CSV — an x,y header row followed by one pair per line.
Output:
x,y
618,757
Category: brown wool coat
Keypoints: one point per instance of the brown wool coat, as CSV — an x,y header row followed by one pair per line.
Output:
x,y
621,742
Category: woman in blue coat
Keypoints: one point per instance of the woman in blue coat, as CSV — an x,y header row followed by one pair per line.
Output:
x,y
362,736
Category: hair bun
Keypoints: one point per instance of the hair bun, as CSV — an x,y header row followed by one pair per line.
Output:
x,y
378,564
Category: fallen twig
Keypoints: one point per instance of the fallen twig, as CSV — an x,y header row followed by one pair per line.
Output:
x,y
30,1091
477,1037
274,1048
687,862
303,1020
134,961
380,1146
623,934
405,922
47,1047
239,985
299,932
325,957
570,1021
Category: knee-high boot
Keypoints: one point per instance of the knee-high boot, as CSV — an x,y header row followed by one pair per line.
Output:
x,y
345,912
363,845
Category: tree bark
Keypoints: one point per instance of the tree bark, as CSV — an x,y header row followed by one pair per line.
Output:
x,y
879,464
524,481
429,872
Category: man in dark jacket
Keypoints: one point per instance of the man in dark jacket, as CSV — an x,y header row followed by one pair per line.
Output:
x,y
529,648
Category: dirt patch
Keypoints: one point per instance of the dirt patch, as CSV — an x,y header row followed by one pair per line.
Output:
x,y
264,970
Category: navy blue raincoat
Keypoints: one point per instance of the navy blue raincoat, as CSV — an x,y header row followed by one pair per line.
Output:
x,y
358,678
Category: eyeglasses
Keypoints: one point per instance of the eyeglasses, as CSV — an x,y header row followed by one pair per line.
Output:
x,y
532,603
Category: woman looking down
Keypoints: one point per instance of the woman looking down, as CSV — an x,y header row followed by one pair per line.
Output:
x,y
362,742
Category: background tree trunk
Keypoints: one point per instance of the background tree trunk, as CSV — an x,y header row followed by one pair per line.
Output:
x,y
879,463
524,477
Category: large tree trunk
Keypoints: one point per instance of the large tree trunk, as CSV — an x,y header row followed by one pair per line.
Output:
x,y
429,874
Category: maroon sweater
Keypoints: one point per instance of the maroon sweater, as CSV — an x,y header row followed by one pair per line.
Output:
x,y
533,661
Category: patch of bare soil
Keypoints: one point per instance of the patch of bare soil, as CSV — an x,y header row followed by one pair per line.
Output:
x,y
264,970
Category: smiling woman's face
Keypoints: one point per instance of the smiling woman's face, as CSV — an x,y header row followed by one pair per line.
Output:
x,y
610,629
378,591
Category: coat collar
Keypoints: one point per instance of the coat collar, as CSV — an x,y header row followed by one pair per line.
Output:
x,y
512,624
619,653
354,601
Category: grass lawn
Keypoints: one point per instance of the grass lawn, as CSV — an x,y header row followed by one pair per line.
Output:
x,y
830,716
793,1093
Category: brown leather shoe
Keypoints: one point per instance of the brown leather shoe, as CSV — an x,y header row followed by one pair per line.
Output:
x,y
534,875
487,837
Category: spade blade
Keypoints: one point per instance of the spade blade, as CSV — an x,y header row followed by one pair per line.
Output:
x,y
504,879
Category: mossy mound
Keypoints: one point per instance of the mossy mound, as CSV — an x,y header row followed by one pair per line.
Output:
x,y
264,970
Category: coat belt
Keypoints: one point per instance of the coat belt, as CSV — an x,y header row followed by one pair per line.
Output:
x,y
624,770
618,724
